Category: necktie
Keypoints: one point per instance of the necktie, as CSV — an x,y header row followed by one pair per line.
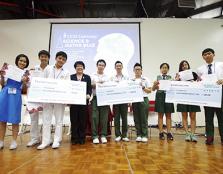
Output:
x,y
164,77
209,69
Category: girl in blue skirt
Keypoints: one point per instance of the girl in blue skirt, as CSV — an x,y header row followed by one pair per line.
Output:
x,y
11,102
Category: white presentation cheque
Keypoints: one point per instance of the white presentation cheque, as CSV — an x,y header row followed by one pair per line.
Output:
x,y
45,90
195,93
14,73
118,93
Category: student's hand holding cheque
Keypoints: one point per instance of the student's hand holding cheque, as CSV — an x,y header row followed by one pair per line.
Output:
x,y
155,85
220,82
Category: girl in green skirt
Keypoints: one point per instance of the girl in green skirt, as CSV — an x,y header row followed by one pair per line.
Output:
x,y
185,109
161,106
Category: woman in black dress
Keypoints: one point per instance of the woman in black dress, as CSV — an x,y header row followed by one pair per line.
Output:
x,y
78,113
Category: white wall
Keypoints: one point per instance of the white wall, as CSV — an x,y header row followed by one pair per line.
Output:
x,y
162,40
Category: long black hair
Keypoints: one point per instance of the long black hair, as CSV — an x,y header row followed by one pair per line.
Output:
x,y
181,65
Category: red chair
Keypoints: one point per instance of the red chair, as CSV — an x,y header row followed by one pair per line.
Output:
x,y
152,106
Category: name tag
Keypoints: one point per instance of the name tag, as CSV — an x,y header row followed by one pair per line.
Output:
x,y
11,90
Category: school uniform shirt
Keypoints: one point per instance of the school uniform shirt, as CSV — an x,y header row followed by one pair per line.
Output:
x,y
216,68
54,73
145,82
118,78
37,72
95,78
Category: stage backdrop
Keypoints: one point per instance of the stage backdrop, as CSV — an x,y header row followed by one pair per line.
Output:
x,y
92,41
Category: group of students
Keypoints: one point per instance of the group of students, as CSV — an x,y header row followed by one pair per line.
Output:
x,y
10,102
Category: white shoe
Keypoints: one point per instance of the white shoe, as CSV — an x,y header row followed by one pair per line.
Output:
x,y
103,140
138,139
32,142
42,146
96,141
55,145
125,139
144,139
117,139
13,145
1,144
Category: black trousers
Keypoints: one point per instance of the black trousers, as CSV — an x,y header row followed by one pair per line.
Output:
x,y
78,116
209,121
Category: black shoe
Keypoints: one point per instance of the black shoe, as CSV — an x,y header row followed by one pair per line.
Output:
x,y
169,136
161,136
82,142
209,140
73,142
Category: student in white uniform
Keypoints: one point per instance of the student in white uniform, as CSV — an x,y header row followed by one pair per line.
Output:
x,y
120,110
38,71
140,109
99,113
214,70
55,72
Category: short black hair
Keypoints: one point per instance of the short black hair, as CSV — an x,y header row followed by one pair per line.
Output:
x,y
79,63
101,60
168,66
181,65
19,56
137,64
61,53
118,62
44,52
207,50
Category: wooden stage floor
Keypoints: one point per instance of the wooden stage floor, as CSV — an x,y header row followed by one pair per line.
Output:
x,y
161,157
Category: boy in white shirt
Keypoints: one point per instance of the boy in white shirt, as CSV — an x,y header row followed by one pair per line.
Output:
x,y
44,57
213,69
55,72
99,113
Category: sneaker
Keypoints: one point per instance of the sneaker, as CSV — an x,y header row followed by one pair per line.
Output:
x,y
96,141
188,137
55,145
144,139
193,138
138,139
42,146
1,144
125,139
161,136
117,139
32,143
13,145
103,140
209,140
169,136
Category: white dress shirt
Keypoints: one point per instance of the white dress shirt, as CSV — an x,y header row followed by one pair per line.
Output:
x,y
54,73
217,69
96,78
145,82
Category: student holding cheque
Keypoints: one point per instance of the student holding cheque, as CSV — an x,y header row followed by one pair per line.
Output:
x,y
140,109
187,109
49,109
211,71
34,108
120,110
10,98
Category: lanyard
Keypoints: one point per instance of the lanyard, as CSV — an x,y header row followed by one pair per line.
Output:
x,y
54,73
